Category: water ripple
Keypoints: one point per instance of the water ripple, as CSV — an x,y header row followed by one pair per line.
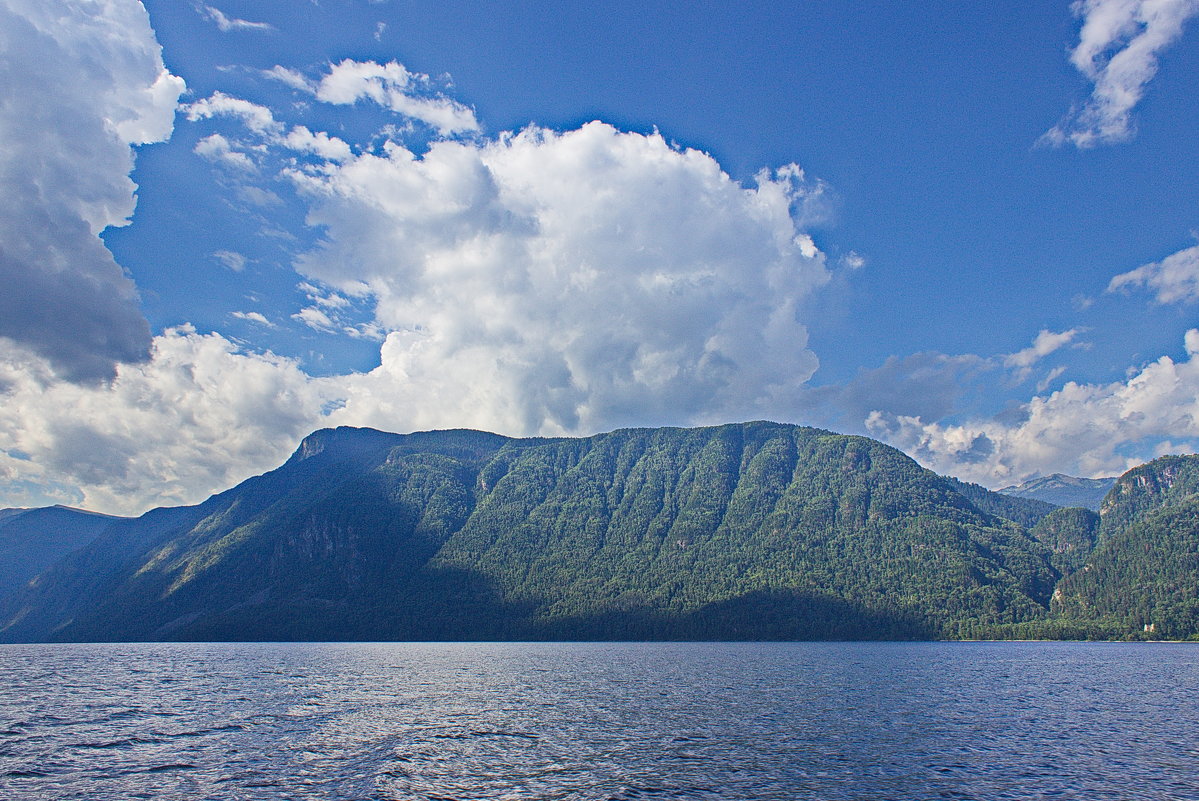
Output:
x,y
375,722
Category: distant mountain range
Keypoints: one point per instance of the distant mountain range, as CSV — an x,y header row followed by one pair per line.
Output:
x,y
1062,490
745,531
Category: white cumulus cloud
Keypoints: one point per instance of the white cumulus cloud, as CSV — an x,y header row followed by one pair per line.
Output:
x,y
1081,429
540,282
197,417
81,83
1118,51
551,282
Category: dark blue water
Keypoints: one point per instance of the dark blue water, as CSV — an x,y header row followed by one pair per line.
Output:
x,y
600,721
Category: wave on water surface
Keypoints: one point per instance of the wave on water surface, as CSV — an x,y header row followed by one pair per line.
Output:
x,y
608,721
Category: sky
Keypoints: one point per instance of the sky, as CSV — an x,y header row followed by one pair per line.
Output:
x,y
969,233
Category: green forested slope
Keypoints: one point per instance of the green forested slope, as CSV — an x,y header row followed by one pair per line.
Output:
x,y
649,528
1070,533
1025,511
755,530
1161,483
749,531
1144,570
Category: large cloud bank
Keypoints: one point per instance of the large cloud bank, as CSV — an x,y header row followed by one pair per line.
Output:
x,y
535,282
548,282
541,282
196,417
81,82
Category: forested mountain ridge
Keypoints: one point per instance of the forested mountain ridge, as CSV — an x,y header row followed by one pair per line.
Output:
x,y
658,525
1144,571
1023,510
744,531
755,530
1070,533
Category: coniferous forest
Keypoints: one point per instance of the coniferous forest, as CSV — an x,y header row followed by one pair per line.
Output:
x,y
746,531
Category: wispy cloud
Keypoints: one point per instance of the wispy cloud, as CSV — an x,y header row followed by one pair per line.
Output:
x,y
234,261
853,260
315,319
292,78
226,23
1052,376
255,117
1175,278
1118,52
218,149
253,317
390,85
260,120
1045,343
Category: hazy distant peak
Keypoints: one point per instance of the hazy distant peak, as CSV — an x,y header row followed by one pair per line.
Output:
x,y
1063,490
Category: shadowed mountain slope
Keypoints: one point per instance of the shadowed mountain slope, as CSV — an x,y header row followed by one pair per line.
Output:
x,y
33,539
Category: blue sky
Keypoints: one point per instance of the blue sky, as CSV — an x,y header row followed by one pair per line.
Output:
x,y
969,233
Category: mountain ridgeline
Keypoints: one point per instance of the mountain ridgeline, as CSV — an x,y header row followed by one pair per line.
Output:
x,y
33,539
1061,490
745,531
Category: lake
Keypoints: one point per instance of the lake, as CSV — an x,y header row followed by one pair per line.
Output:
x,y
600,721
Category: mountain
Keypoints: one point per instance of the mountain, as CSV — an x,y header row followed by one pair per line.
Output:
x,y
746,531
1025,511
1143,575
33,539
1063,490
